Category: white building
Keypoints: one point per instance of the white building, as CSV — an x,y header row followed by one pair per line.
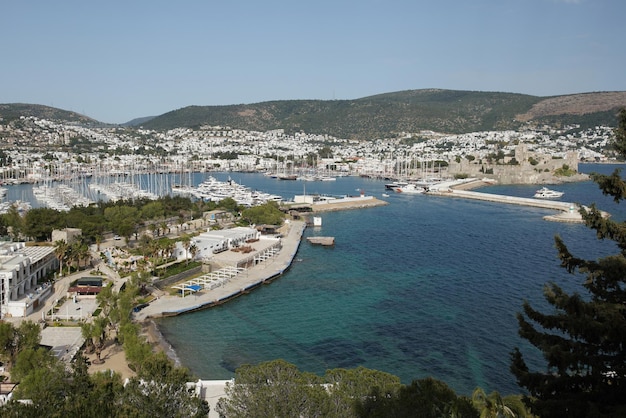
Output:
x,y
213,242
22,270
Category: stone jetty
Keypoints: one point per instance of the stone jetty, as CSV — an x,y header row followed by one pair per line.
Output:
x,y
566,211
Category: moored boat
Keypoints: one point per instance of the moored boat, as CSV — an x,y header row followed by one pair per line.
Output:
x,y
545,193
410,189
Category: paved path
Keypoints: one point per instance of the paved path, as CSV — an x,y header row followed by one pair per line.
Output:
x,y
272,267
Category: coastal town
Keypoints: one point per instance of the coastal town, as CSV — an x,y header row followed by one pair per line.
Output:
x,y
40,152
37,150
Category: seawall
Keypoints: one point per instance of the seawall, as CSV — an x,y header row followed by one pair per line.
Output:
x,y
566,211
242,283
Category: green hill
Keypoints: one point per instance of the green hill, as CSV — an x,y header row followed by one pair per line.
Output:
x,y
12,111
384,115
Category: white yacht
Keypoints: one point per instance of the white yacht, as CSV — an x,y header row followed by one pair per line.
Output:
x,y
545,193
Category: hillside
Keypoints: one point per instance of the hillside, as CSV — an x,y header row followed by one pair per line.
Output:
x,y
383,115
12,111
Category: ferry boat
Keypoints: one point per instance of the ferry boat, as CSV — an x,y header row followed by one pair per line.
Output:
x,y
545,193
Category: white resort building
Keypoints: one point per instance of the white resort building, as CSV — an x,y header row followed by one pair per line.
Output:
x,y
213,242
21,270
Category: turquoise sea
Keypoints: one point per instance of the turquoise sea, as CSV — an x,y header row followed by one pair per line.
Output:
x,y
425,286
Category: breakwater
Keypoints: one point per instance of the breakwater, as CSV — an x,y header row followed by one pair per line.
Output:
x,y
567,211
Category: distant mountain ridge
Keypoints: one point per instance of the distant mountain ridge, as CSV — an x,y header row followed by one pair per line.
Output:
x,y
382,115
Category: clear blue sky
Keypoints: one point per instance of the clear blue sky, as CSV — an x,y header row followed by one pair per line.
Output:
x,y
118,60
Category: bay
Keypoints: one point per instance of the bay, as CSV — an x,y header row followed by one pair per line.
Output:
x,y
425,286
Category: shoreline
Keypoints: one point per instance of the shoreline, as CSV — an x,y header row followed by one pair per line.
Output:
x,y
165,306
263,272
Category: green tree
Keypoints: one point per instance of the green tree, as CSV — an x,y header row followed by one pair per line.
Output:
x,y
273,389
158,399
345,386
39,223
583,340
46,387
15,340
152,210
229,204
160,368
30,359
8,341
61,251
496,406
14,222
267,213
425,398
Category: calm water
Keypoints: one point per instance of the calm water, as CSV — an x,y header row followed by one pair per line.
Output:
x,y
425,286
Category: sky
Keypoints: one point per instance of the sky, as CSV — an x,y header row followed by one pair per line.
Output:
x,y
119,60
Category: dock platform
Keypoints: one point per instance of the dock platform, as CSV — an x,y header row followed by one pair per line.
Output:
x,y
325,241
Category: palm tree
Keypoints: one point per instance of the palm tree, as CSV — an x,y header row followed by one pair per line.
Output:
x,y
86,329
193,249
163,226
82,253
98,241
186,241
61,249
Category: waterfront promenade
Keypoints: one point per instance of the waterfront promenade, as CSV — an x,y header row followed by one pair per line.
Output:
x,y
171,305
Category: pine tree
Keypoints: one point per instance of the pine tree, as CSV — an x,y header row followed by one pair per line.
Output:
x,y
584,339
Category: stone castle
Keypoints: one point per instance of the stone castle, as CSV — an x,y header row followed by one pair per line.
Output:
x,y
527,168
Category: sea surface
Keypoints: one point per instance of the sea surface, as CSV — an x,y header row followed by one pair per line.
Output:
x,y
425,286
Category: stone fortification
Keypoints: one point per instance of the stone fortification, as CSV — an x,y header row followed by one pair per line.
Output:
x,y
531,168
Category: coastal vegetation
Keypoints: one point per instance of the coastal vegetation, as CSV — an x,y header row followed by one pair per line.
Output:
x,y
127,218
278,389
54,390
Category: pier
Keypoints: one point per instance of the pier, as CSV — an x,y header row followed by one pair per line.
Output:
x,y
566,211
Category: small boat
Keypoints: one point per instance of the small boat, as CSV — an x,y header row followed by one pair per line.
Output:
x,y
545,193
385,195
410,189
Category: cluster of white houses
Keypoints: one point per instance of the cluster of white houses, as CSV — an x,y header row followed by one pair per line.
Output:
x,y
23,270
